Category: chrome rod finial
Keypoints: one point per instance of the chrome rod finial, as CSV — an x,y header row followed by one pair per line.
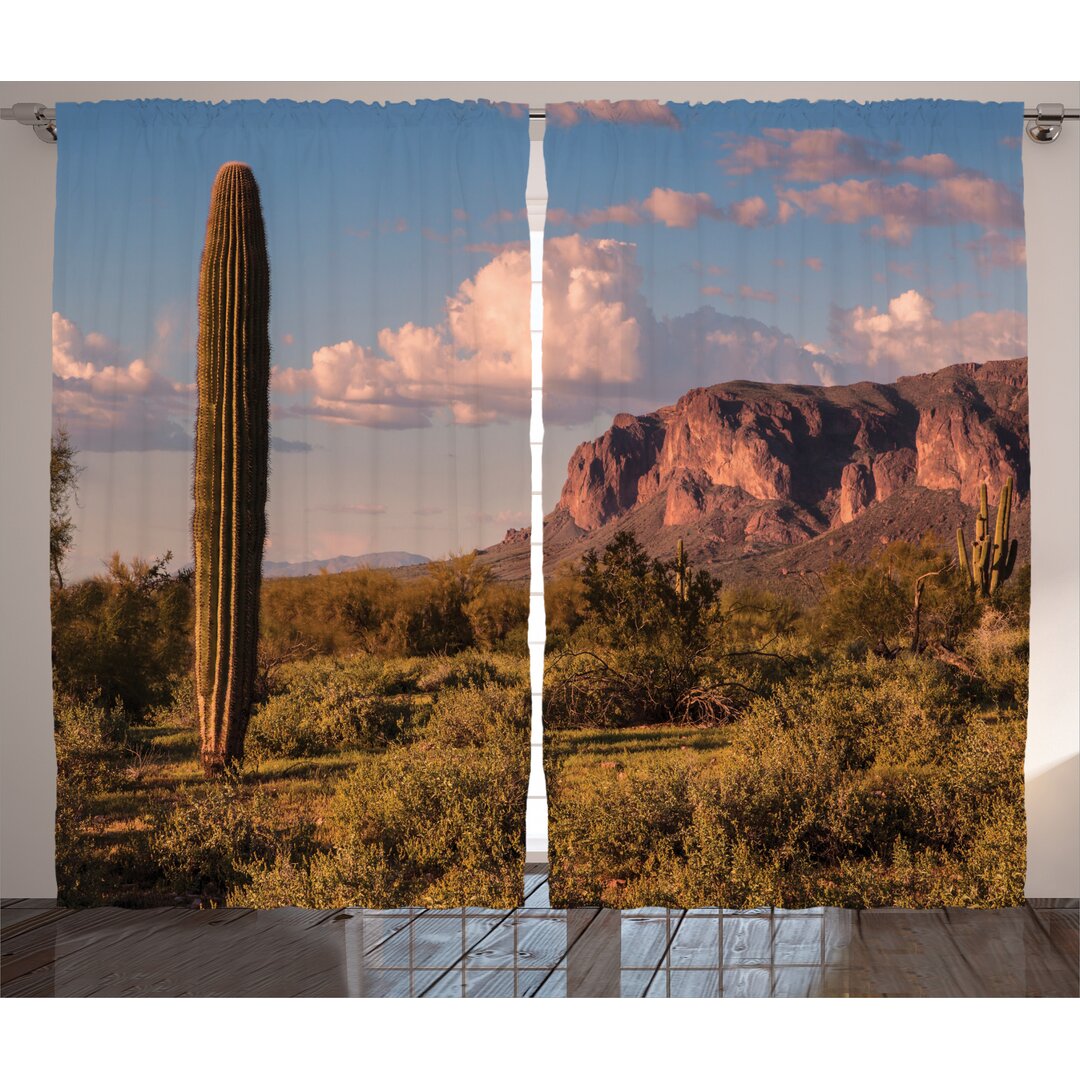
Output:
x,y
1046,126
33,114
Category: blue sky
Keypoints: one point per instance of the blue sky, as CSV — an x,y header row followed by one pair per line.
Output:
x,y
685,245
399,319
797,242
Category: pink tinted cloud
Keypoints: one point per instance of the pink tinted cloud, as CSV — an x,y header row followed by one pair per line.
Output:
x,y
898,209
748,212
748,292
816,155
993,250
474,367
669,207
908,337
592,311
567,113
813,262
106,404
678,209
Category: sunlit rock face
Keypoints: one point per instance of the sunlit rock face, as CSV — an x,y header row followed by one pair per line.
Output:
x,y
786,463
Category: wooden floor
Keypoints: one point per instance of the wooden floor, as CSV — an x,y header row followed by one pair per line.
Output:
x,y
535,951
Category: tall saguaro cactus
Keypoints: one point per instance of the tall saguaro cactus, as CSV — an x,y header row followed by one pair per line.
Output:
x,y
232,448
992,560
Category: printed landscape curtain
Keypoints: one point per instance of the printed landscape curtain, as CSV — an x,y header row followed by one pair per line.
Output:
x,y
292,388
787,544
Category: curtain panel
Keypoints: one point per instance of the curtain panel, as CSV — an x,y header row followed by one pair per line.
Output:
x,y
787,546
290,458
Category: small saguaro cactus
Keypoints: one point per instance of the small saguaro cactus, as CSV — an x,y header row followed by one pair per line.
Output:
x,y
992,559
232,449
682,573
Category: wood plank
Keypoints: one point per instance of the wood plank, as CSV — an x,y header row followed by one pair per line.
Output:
x,y
30,955
1050,952
594,952
541,952
798,940
904,953
470,983
435,941
747,982
993,947
553,985
645,936
525,940
747,940
686,983
696,942
284,952
20,920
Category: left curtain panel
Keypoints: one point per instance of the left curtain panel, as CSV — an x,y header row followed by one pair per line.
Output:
x,y
290,475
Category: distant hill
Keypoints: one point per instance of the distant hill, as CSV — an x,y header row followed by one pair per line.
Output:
x,y
377,560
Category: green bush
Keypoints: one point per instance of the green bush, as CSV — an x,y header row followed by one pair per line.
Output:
x,y
438,822
872,607
451,605
124,634
328,704
202,843
861,783
997,648
89,742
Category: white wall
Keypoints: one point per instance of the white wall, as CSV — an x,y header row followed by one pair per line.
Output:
x,y
1052,183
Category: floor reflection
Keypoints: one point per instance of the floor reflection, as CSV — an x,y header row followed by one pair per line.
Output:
x,y
535,951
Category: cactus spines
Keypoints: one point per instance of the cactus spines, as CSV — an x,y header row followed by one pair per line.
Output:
x,y
682,583
232,447
992,558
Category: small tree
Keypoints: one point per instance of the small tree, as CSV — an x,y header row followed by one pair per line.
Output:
x,y
651,646
63,487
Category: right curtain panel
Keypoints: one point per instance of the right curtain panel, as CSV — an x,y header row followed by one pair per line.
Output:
x,y
787,532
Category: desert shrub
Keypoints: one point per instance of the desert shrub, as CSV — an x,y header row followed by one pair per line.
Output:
x,y
85,731
89,744
478,717
125,634
873,606
861,783
616,826
328,704
633,687
201,842
564,604
471,668
651,648
997,648
755,617
438,822
498,616
452,605
180,707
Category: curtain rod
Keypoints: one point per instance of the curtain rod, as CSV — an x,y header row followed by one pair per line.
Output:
x,y
1044,121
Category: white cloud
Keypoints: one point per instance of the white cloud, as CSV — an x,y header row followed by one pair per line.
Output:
x,y
908,337
606,352
473,367
106,404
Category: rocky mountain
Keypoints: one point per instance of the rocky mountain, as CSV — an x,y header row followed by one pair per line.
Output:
x,y
769,479
378,560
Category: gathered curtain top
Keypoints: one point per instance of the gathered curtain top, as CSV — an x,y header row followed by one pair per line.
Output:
x,y
794,112
280,112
